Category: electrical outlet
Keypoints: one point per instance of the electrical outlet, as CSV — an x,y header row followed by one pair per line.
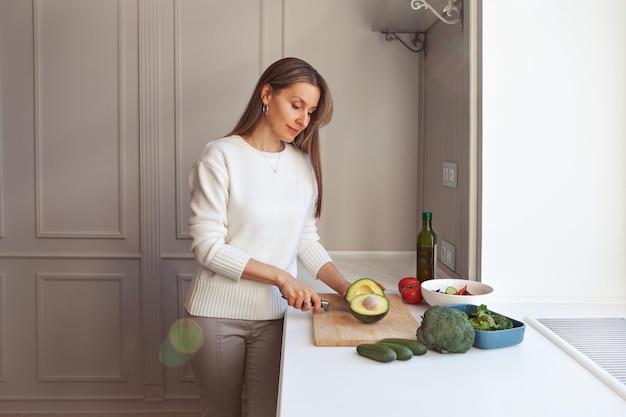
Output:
x,y
450,174
448,255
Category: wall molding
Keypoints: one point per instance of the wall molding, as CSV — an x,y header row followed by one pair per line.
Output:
x,y
58,399
149,102
2,165
71,255
45,281
271,38
2,334
271,32
180,184
183,281
42,230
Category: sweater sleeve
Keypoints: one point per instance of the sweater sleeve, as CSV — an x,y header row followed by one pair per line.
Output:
x,y
209,189
311,252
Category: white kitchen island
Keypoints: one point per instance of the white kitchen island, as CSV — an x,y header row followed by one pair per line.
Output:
x,y
534,378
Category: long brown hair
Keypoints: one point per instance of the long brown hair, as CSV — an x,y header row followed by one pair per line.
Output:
x,y
281,74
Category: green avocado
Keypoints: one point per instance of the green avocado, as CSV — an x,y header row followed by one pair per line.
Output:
x,y
363,286
369,308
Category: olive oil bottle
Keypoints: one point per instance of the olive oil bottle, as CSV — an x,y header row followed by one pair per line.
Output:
x,y
426,249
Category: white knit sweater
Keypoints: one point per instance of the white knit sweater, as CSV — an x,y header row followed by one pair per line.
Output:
x,y
242,209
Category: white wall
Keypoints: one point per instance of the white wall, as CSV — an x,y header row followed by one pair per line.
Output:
x,y
554,149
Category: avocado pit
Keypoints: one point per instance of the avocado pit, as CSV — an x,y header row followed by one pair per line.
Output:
x,y
371,303
369,308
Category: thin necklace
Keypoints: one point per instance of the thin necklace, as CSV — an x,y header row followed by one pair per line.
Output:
x,y
274,168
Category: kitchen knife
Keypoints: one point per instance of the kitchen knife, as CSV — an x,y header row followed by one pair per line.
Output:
x,y
328,306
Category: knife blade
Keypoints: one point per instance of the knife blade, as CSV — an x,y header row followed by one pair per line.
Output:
x,y
328,306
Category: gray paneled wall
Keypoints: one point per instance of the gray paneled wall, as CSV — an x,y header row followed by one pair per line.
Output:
x,y
446,138
105,105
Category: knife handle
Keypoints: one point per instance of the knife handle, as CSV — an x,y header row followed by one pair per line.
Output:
x,y
324,304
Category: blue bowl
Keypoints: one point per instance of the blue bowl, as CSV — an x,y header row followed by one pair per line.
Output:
x,y
495,338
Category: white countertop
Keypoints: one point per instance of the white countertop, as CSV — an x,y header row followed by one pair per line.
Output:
x,y
534,378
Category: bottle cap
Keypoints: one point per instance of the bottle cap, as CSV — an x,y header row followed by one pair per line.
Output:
x,y
427,215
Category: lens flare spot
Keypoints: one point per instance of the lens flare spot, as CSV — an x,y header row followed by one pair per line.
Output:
x,y
186,336
170,357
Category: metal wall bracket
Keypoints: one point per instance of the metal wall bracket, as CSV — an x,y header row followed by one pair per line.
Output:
x,y
451,11
417,44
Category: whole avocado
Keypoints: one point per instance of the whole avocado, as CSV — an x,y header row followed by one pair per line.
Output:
x,y
446,330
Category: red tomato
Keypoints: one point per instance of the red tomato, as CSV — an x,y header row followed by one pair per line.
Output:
x,y
406,281
412,293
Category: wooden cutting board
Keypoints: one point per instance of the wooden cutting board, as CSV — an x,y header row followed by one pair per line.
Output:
x,y
340,328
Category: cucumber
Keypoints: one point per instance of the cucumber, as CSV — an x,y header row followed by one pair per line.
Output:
x,y
380,353
417,347
450,290
403,353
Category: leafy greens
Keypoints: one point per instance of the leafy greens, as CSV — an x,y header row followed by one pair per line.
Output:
x,y
483,319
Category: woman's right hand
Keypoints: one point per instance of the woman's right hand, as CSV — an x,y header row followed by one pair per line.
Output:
x,y
299,295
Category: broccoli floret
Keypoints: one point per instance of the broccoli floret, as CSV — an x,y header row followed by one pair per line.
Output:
x,y
446,330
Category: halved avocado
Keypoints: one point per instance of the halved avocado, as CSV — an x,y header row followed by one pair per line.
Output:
x,y
369,308
363,286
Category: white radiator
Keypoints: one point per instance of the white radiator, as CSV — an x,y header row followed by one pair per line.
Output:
x,y
599,344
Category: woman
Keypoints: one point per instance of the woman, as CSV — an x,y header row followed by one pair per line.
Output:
x,y
255,198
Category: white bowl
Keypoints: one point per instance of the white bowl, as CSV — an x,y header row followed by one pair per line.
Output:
x,y
480,292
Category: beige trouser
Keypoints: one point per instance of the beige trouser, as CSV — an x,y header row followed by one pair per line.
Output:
x,y
231,351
